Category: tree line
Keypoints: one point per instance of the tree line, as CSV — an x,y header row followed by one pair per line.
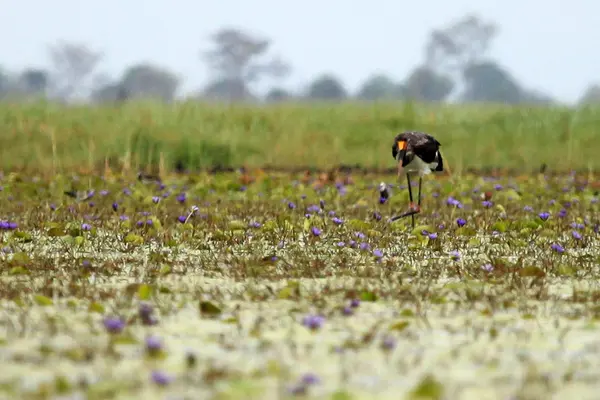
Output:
x,y
455,66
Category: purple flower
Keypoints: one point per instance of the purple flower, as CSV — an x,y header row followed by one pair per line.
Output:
x,y
114,325
331,213
487,203
382,200
254,224
123,217
315,231
153,345
576,235
86,227
455,255
352,243
354,303
557,248
544,215
313,322
103,192
322,203
364,246
155,199
487,267
498,186
528,209
181,197
337,221
359,235
115,206
313,209
388,343
310,379
340,244
160,378
347,310
576,225
433,236
376,216
562,213
182,219
461,222
377,253
291,205
149,222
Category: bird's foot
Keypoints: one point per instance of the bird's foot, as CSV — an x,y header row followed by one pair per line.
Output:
x,y
415,208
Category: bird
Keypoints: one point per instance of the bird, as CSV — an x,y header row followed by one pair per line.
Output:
x,y
417,153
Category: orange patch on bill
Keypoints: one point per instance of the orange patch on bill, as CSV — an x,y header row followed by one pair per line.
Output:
x,y
402,145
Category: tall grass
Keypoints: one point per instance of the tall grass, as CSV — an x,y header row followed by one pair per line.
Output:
x,y
52,137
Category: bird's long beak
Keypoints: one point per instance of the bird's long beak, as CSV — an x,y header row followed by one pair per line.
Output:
x,y
400,155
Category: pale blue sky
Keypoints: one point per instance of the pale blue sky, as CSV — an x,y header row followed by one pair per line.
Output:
x,y
549,45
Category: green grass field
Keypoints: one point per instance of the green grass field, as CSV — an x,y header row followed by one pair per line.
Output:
x,y
139,135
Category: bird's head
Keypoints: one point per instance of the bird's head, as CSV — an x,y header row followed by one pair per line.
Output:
x,y
399,150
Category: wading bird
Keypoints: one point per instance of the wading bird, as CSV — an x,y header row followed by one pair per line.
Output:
x,y
417,153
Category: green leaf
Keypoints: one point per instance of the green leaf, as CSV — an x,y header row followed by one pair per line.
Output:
x,y
165,270
23,236
565,270
96,307
429,388
237,225
368,296
42,300
144,291
134,239
499,226
399,326
54,232
532,271
19,270
209,309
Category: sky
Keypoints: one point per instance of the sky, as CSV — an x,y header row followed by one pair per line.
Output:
x,y
548,45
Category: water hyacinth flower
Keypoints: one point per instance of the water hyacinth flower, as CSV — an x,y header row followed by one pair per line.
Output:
x,y
347,311
254,224
331,213
160,378
388,343
461,222
153,345
86,227
376,216
337,221
114,325
576,225
313,209
487,267
103,192
364,246
557,248
562,213
181,197
155,199
182,219
378,253
528,209
433,236
576,235
291,205
115,206
487,203
498,186
313,322
354,303
544,215
310,379
315,231
123,217
455,255
340,244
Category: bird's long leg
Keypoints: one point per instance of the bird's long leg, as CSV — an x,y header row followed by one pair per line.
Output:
x,y
410,196
420,184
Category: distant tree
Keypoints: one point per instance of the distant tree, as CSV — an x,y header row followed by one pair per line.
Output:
x,y
237,60
278,94
451,50
591,95
227,90
488,82
424,84
326,87
5,83
109,92
149,81
379,87
73,68
34,81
